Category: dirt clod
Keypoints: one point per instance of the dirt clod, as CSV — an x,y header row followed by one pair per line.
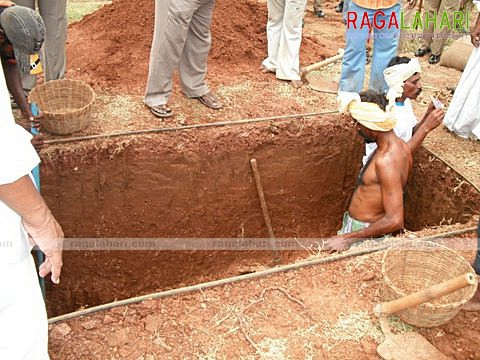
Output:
x,y
152,323
60,331
118,337
90,324
368,346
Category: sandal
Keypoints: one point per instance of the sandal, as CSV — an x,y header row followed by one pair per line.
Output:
x,y
161,111
210,100
422,52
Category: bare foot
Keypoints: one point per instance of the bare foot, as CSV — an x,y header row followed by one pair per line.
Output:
x,y
264,69
474,303
297,84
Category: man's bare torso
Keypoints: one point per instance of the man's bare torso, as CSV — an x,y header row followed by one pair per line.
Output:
x,y
367,204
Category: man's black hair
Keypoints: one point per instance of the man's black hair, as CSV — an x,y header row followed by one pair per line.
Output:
x,y
374,97
397,60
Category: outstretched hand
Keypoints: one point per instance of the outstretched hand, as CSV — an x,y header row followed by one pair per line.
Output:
x,y
337,243
434,118
49,238
430,108
33,121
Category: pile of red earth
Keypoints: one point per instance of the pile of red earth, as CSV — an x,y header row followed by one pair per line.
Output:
x,y
110,48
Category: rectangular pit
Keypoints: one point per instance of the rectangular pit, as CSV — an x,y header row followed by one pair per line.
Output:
x,y
199,184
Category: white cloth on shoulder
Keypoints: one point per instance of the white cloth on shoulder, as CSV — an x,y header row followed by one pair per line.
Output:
x,y
344,98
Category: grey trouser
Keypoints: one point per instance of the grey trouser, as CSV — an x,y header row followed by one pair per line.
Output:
x,y
435,38
54,15
181,38
317,5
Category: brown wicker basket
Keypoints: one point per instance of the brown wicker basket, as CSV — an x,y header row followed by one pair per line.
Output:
x,y
66,105
415,266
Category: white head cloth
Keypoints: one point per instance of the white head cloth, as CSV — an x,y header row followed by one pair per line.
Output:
x,y
396,75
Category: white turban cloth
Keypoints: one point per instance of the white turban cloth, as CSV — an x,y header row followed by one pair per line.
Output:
x,y
395,77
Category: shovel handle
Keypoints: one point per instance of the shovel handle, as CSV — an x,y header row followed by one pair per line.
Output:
x,y
322,63
420,297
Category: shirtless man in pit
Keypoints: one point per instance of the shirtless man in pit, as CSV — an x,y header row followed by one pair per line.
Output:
x,y
376,207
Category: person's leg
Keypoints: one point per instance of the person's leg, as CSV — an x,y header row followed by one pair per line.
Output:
x,y
431,9
23,318
318,8
288,63
353,62
28,81
276,9
339,7
440,35
54,15
193,61
384,49
408,15
172,20
345,9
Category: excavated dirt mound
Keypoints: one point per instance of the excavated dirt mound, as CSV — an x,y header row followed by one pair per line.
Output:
x,y
110,48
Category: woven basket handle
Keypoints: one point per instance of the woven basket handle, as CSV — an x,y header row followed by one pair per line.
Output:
x,y
420,297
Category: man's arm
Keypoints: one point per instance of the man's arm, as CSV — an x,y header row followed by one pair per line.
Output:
x,y
14,85
430,108
392,200
22,197
429,122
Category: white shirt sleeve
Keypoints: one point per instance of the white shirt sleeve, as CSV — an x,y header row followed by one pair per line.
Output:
x,y
17,155
477,4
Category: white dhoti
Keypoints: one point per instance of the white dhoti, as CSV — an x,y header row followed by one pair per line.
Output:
x,y
463,114
23,318
284,35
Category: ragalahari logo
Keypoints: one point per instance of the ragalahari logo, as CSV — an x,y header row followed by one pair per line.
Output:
x,y
380,20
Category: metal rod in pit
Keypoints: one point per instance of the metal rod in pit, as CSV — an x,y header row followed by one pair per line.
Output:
x,y
266,216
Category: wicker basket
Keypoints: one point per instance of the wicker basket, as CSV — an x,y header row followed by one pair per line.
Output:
x,y
66,105
416,266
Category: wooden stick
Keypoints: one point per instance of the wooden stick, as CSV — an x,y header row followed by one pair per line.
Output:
x,y
305,70
263,204
420,297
